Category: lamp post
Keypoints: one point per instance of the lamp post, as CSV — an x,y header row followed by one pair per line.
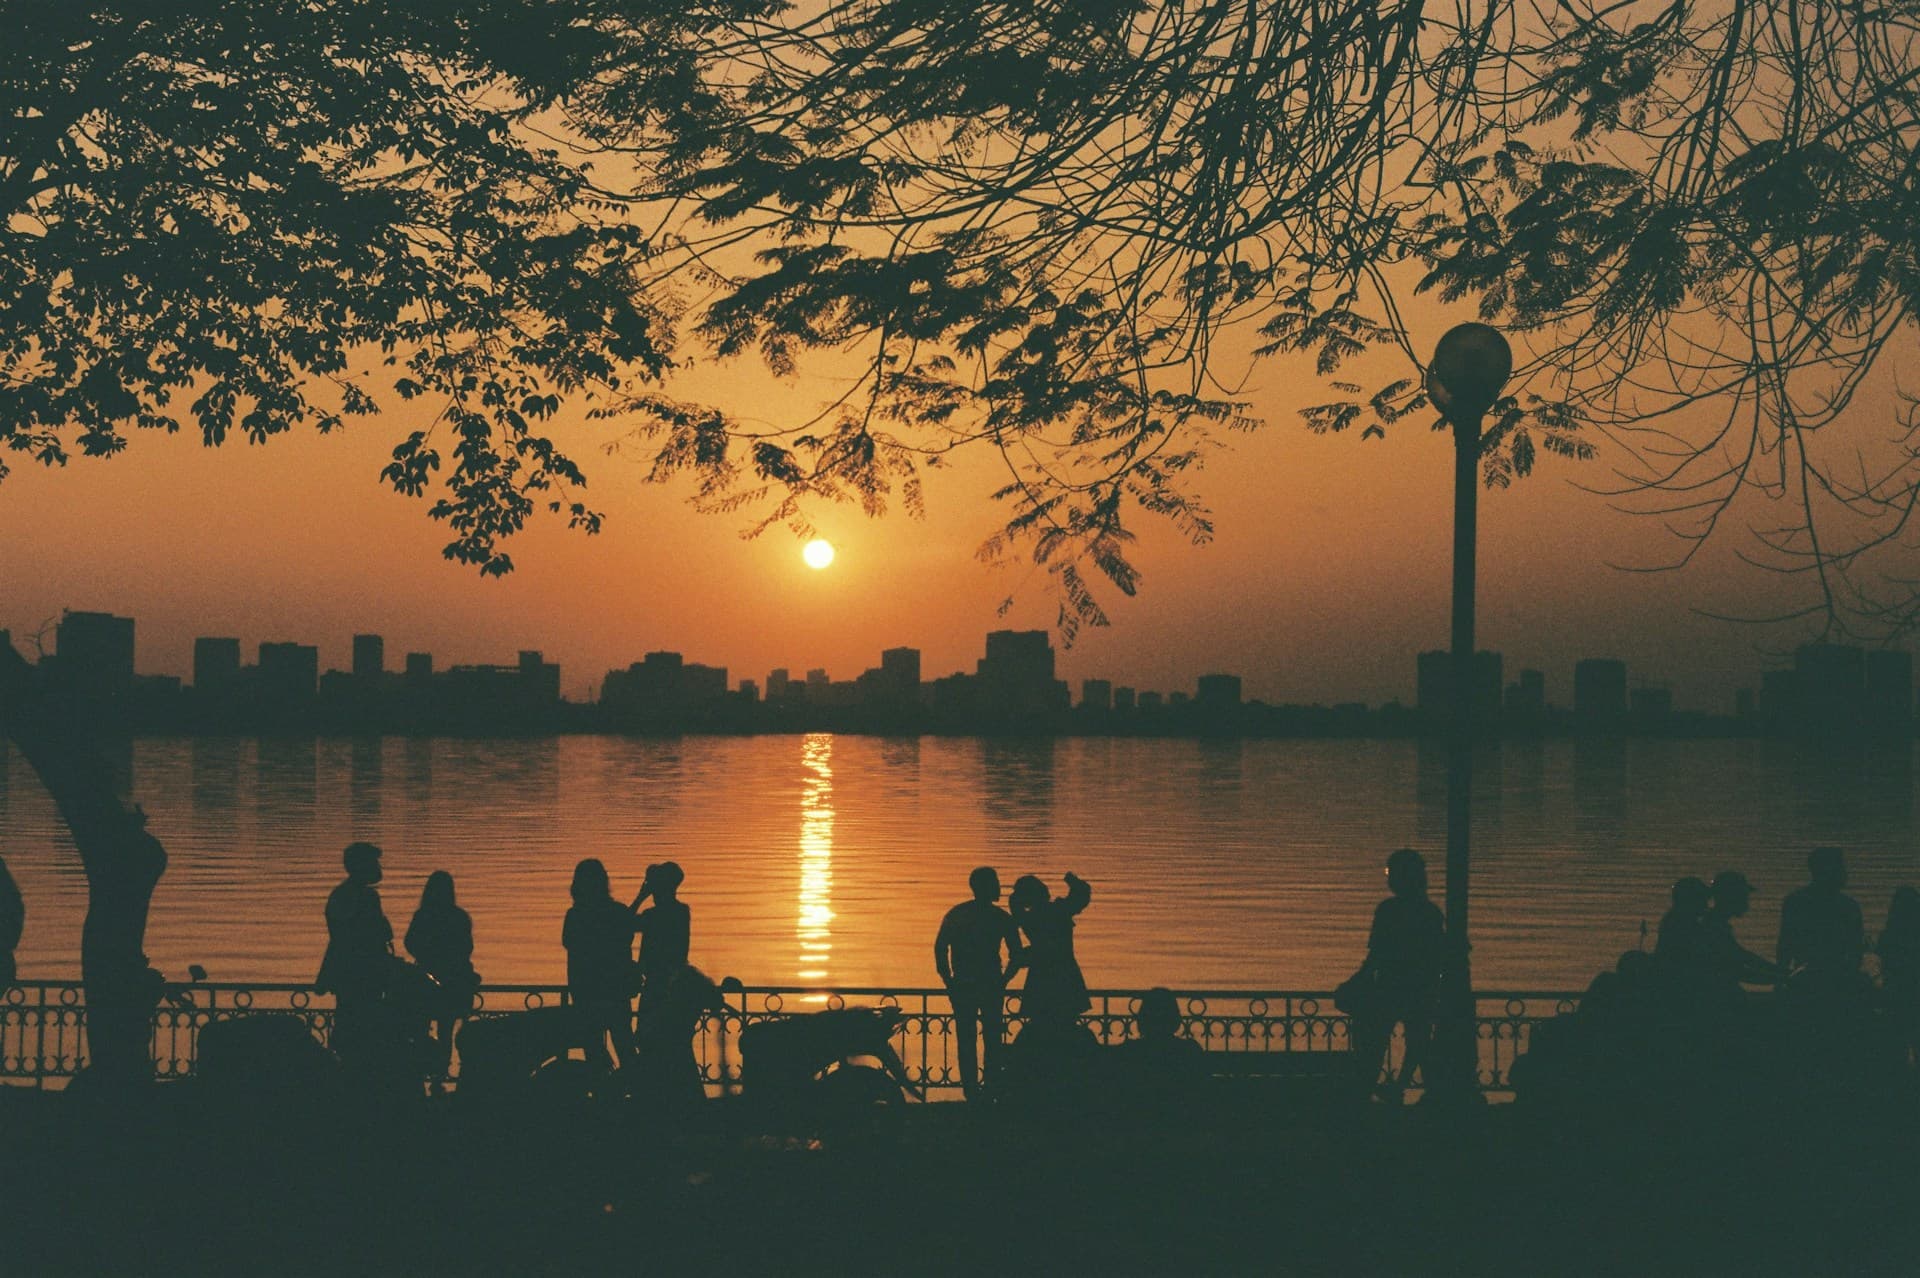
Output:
x,y
1470,365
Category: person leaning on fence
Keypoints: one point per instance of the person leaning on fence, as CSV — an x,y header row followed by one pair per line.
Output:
x,y
359,959
13,921
1399,982
598,936
967,956
440,939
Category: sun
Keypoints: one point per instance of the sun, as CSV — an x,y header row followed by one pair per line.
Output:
x,y
818,553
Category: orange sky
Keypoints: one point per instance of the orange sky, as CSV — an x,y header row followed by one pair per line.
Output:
x,y
1328,573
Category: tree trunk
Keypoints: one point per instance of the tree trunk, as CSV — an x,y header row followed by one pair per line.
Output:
x,y
122,861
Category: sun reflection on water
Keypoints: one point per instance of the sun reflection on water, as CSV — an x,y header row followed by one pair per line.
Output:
x,y
814,926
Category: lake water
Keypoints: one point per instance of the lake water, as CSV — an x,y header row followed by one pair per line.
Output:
x,y
826,859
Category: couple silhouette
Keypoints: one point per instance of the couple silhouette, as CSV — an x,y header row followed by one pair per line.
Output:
x,y
980,946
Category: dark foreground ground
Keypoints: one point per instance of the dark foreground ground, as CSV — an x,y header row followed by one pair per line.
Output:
x,y
184,1185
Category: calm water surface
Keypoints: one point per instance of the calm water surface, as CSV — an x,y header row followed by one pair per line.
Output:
x,y
829,859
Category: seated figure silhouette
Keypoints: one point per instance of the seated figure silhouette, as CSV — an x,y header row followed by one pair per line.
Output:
x,y
598,936
440,939
359,963
967,955
1406,951
1159,1066
1822,937
13,921
1730,963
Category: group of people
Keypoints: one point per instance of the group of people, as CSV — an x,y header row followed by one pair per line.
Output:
x,y
1676,1022
380,997
979,948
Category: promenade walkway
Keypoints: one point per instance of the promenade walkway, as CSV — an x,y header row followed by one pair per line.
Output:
x,y
43,1024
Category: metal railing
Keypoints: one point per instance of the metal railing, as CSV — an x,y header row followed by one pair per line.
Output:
x,y
43,1025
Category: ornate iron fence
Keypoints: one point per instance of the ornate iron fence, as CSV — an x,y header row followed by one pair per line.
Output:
x,y
43,1024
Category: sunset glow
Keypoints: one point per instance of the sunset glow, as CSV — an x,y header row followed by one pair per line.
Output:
x,y
818,553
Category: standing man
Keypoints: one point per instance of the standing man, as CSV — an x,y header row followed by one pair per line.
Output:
x,y
967,955
359,956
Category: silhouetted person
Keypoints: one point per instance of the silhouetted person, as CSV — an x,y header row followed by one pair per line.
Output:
x,y
440,939
1730,963
1055,993
598,935
359,959
668,1069
1683,928
1406,951
967,955
1160,1064
1899,951
13,921
1822,937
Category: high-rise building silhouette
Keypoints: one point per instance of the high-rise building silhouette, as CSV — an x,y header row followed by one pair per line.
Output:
x,y
901,666
1831,680
1890,690
1434,686
289,674
1600,691
216,665
1096,694
1123,700
369,657
1218,691
779,684
94,652
419,668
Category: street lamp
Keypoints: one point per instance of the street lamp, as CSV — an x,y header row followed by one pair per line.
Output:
x,y
1470,365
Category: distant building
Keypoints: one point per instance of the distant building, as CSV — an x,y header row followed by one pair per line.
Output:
x,y
1150,701
749,690
817,678
1176,700
664,687
1123,700
778,684
1096,694
901,666
419,668
216,666
1527,696
1651,703
289,674
1015,677
1890,690
1831,682
94,652
1600,690
1433,672
369,657
1218,691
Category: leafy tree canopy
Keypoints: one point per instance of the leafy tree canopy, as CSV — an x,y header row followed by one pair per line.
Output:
x,y
1032,223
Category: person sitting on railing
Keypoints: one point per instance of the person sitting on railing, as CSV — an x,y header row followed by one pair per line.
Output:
x,y
966,954
359,960
440,939
598,936
13,921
